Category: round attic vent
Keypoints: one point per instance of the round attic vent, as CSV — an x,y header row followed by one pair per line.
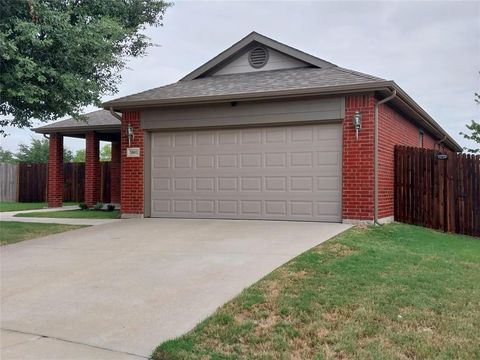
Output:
x,y
258,57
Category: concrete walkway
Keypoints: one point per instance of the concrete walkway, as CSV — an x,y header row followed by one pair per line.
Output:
x,y
116,291
10,216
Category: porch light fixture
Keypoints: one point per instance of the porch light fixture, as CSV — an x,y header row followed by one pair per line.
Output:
x,y
130,134
357,122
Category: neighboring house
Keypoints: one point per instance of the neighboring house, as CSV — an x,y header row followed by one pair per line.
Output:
x,y
261,131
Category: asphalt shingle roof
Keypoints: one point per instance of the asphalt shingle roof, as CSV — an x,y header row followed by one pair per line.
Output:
x,y
252,82
99,118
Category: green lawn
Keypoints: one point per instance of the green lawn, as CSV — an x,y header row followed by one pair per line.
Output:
x,y
12,231
74,214
392,292
17,206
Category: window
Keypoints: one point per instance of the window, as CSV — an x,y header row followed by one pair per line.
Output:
x,y
420,137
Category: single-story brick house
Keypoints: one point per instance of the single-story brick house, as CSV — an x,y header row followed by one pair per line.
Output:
x,y
261,131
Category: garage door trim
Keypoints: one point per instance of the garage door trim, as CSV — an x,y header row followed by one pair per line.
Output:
x,y
148,201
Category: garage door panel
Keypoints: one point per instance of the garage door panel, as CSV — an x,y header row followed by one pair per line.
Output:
x,y
258,173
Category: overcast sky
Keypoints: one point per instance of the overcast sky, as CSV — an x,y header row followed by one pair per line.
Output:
x,y
430,49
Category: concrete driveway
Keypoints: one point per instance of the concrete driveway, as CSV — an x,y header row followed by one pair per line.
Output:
x,y
116,291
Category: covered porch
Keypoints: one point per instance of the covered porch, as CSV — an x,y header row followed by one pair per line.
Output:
x,y
98,126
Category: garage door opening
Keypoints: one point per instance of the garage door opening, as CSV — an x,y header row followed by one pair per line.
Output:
x,y
273,173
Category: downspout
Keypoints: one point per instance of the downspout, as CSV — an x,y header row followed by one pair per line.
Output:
x,y
375,159
115,114
440,142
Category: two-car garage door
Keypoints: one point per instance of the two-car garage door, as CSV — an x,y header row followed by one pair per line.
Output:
x,y
281,173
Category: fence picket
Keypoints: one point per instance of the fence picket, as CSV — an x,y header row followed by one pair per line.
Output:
x,y
442,194
32,182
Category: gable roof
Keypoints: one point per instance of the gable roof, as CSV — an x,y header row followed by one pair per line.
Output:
x,y
248,40
320,77
199,87
247,85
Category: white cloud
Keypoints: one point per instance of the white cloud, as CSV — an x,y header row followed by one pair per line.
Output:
x,y
431,49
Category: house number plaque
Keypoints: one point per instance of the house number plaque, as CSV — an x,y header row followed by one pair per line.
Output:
x,y
133,152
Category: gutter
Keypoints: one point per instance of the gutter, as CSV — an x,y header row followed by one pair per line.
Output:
x,y
75,129
261,95
403,97
435,126
375,157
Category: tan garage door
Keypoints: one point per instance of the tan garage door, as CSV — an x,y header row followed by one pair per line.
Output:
x,y
281,173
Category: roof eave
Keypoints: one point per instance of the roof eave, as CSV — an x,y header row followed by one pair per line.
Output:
x,y
76,129
195,100
449,141
423,116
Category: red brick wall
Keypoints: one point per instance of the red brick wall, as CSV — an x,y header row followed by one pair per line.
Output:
x,y
393,129
357,199
132,167
92,169
115,173
55,170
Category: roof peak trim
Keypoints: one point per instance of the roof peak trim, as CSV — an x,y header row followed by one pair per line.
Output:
x,y
246,41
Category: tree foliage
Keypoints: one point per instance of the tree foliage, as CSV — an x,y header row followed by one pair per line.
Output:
x,y
38,151
106,152
59,56
79,156
474,128
6,156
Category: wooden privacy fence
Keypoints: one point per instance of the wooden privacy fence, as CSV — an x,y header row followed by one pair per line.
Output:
x,y
32,182
8,182
437,190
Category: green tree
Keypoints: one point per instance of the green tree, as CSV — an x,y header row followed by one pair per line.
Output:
x,y
37,152
59,56
474,128
106,153
79,156
6,156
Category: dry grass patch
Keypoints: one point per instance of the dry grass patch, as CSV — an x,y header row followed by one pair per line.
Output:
x,y
396,292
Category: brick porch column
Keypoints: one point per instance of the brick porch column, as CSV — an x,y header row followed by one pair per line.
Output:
x,y
92,169
55,171
115,173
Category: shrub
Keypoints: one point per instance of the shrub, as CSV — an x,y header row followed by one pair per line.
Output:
x,y
110,207
83,206
98,206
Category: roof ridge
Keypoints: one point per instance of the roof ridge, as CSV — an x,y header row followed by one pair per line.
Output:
x,y
294,48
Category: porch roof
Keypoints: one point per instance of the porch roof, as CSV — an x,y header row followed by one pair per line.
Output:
x,y
101,121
